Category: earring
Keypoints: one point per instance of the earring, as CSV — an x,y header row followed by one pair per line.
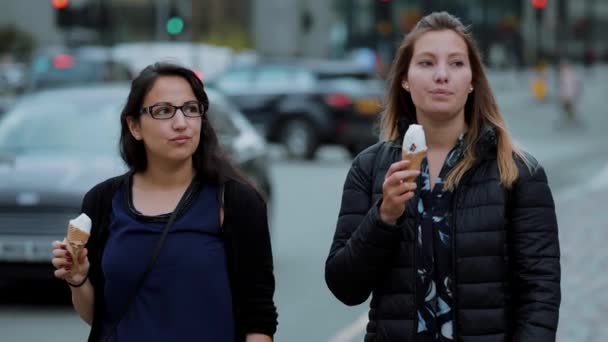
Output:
x,y
471,89
406,86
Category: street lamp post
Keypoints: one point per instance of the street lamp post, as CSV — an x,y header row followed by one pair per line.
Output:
x,y
562,30
161,17
539,7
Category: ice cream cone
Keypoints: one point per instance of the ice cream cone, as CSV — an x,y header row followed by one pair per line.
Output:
x,y
415,159
78,235
76,240
414,148
75,234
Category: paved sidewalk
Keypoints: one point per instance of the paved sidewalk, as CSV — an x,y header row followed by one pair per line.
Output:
x,y
583,231
569,153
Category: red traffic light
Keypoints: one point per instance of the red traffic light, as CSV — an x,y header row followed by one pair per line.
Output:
x,y
60,4
539,4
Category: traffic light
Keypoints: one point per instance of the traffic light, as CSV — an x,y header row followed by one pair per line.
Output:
x,y
60,4
89,15
306,21
175,23
64,16
539,4
384,19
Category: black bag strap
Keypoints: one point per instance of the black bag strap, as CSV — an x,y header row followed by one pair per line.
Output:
x,y
155,254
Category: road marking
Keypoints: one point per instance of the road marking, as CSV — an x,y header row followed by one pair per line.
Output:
x,y
352,331
599,181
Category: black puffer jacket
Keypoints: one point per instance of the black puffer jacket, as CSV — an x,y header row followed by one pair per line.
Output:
x,y
506,253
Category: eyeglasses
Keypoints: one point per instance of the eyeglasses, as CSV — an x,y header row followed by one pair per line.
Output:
x,y
165,111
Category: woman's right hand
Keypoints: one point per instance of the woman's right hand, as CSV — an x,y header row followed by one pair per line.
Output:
x,y
396,191
62,260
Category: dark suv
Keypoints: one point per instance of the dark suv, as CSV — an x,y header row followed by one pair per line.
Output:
x,y
305,105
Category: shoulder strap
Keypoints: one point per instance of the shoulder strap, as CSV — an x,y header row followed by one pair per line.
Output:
x,y
220,193
155,254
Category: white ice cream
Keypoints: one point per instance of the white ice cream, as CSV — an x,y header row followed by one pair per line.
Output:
x,y
414,140
82,222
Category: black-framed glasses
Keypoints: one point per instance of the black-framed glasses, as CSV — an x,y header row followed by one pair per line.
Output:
x,y
165,111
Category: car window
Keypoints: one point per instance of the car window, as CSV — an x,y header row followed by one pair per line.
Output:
x,y
272,77
351,81
65,70
361,76
220,119
65,126
235,80
282,79
303,79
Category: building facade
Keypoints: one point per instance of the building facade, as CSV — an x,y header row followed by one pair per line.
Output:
x,y
508,32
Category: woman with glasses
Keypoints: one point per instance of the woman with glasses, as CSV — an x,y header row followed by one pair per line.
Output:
x,y
465,248
179,247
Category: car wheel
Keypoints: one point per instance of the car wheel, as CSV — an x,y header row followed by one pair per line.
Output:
x,y
299,138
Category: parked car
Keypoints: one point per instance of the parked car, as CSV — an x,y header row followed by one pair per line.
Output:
x,y
12,82
305,105
74,68
55,145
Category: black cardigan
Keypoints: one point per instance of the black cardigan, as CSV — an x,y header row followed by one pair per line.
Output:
x,y
247,239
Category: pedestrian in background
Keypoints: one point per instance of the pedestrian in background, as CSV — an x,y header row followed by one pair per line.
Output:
x,y
179,248
469,251
569,91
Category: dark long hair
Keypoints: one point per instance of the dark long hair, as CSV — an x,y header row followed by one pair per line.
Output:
x,y
209,160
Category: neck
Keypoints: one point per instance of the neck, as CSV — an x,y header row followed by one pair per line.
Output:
x,y
442,134
168,176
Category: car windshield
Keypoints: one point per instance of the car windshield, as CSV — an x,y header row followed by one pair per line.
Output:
x,y
64,70
351,81
361,76
61,124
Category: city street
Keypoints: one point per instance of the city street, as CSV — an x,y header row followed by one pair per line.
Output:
x,y
306,202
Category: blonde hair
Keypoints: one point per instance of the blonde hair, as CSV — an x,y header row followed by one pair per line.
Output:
x,y
480,107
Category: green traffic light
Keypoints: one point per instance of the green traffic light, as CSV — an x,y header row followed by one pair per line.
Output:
x,y
175,25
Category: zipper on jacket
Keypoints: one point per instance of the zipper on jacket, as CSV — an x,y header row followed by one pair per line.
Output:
x,y
457,204
417,221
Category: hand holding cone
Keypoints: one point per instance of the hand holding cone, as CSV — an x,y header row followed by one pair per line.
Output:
x,y
78,234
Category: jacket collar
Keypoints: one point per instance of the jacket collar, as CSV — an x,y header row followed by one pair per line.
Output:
x,y
487,143
484,147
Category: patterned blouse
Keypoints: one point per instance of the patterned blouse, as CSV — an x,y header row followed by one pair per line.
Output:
x,y
434,253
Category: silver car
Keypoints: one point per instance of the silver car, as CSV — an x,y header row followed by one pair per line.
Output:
x,y
57,144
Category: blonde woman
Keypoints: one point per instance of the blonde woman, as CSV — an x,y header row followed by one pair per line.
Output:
x,y
468,251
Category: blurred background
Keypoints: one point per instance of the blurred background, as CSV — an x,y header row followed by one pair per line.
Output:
x,y
295,87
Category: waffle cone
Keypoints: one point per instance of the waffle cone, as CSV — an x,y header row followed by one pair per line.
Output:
x,y
76,240
75,234
415,161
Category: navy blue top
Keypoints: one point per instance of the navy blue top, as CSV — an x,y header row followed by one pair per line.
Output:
x,y
186,296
